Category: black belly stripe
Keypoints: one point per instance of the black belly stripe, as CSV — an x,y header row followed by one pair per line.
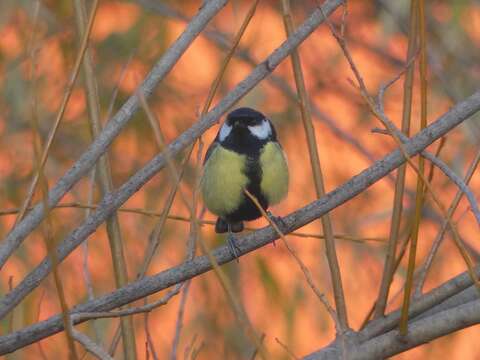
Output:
x,y
248,210
242,142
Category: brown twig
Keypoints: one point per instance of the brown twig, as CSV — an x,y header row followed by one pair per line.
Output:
x,y
49,239
421,168
145,212
149,343
317,174
451,210
61,111
104,178
255,351
303,267
389,269
85,269
189,347
377,110
47,229
285,347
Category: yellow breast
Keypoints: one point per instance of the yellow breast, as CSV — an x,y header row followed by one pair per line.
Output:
x,y
223,181
274,166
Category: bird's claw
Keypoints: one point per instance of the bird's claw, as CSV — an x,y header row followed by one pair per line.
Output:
x,y
278,220
233,247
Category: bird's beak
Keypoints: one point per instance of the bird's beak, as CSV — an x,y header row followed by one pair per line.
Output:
x,y
240,124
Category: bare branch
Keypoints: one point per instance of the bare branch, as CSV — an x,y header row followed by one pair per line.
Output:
x,y
91,346
112,201
112,128
247,243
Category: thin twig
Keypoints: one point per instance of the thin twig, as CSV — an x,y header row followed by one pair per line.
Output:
x,y
317,175
85,269
399,258
399,137
144,212
420,192
285,347
303,267
149,343
141,288
104,178
220,39
388,270
47,229
82,316
90,345
111,130
61,112
189,347
114,200
451,210
255,351
48,235
179,324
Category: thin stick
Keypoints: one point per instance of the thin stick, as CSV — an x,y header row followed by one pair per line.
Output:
x,y
388,270
112,129
401,253
149,343
236,305
144,212
105,182
61,112
451,210
178,327
85,269
249,243
91,346
317,174
159,138
421,165
285,347
377,110
255,352
220,40
306,272
47,229
48,237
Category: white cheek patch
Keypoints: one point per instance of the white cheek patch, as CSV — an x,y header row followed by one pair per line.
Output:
x,y
225,130
261,131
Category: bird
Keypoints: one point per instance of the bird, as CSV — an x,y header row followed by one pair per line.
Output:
x,y
245,154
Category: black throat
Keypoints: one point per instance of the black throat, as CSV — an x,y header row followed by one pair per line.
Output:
x,y
243,142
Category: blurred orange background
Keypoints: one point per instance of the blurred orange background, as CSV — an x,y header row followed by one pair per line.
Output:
x,y
126,41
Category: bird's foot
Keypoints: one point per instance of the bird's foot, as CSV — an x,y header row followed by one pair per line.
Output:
x,y
232,246
278,220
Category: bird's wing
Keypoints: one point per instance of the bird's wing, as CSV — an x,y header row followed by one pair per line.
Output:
x,y
282,151
210,149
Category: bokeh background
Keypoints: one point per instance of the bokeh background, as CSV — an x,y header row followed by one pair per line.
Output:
x,y
127,39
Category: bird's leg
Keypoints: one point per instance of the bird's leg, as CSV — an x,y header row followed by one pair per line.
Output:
x,y
232,245
278,220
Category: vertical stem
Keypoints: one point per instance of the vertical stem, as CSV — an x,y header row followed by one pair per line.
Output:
x,y
421,165
317,173
436,244
389,268
105,183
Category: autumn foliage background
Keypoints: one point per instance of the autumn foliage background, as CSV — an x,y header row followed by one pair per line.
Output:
x,y
126,40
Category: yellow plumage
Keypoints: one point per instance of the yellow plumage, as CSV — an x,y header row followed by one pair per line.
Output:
x,y
223,181
224,178
274,184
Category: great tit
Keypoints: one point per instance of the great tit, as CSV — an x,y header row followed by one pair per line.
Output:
x,y
244,155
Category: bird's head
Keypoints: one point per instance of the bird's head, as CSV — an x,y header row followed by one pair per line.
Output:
x,y
245,123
